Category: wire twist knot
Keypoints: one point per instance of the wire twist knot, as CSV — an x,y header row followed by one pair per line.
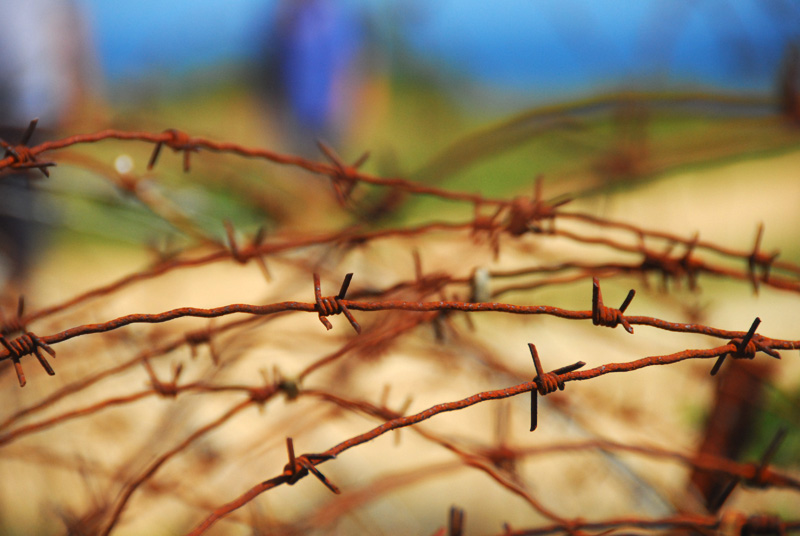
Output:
x,y
166,389
526,213
178,141
21,154
746,347
607,316
27,344
243,255
546,382
333,305
488,225
763,524
343,177
299,467
197,337
759,259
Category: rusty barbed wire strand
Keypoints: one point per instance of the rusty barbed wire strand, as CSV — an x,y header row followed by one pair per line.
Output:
x,y
172,391
30,343
168,265
754,256
650,263
472,457
21,156
130,488
704,461
524,212
150,353
764,475
192,339
668,267
735,523
513,218
182,142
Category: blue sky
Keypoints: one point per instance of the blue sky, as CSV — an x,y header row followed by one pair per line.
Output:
x,y
531,45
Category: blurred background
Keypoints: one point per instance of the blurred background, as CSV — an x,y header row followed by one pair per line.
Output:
x,y
678,116
585,93
443,92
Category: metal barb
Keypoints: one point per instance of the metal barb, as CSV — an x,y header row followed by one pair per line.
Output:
x,y
546,382
741,347
606,316
334,305
23,156
28,344
456,522
343,177
28,134
345,286
178,141
298,467
766,458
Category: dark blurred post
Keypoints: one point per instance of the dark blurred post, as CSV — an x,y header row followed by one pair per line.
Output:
x,y
44,61
789,84
731,425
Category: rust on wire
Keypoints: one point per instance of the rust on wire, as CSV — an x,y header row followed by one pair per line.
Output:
x,y
253,250
757,259
21,156
546,382
25,344
746,347
759,478
177,141
298,467
493,219
606,316
165,389
526,214
343,177
333,305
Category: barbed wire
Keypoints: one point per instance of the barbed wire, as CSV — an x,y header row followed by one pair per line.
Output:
x,y
399,308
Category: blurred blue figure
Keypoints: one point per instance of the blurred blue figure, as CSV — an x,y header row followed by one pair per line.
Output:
x,y
313,69
43,58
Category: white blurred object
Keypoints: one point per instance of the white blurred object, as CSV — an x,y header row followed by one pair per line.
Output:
x,y
43,57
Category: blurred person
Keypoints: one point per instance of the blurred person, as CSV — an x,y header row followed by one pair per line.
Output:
x,y
45,61
313,70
